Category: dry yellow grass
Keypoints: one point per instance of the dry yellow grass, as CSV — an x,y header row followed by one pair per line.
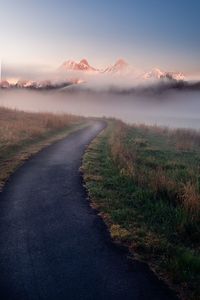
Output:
x,y
23,134
191,198
18,126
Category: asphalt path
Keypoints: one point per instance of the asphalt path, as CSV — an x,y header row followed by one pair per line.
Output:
x,y
53,246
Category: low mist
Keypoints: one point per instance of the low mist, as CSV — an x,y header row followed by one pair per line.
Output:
x,y
173,108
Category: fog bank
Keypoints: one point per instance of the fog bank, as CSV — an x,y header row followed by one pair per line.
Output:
x,y
173,109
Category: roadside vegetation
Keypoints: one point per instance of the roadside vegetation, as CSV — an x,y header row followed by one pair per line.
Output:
x,y
23,133
145,182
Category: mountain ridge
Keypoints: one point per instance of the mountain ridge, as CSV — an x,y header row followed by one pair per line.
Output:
x,y
120,67
73,72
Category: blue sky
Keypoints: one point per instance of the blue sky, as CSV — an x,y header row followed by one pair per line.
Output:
x,y
147,33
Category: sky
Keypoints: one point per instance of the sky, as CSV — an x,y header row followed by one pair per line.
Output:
x,y
146,33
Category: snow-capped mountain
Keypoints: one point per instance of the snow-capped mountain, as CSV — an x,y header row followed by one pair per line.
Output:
x,y
72,72
33,84
156,73
4,84
83,65
36,85
175,75
119,68
25,84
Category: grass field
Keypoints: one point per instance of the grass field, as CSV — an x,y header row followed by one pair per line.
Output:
x,y
145,181
22,134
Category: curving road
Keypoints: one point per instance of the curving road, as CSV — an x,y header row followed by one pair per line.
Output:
x,y
53,246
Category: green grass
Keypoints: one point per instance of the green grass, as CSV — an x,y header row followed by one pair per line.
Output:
x,y
145,182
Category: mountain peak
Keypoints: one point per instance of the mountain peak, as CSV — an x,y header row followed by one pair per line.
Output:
x,y
83,65
84,61
121,62
119,68
156,73
4,84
